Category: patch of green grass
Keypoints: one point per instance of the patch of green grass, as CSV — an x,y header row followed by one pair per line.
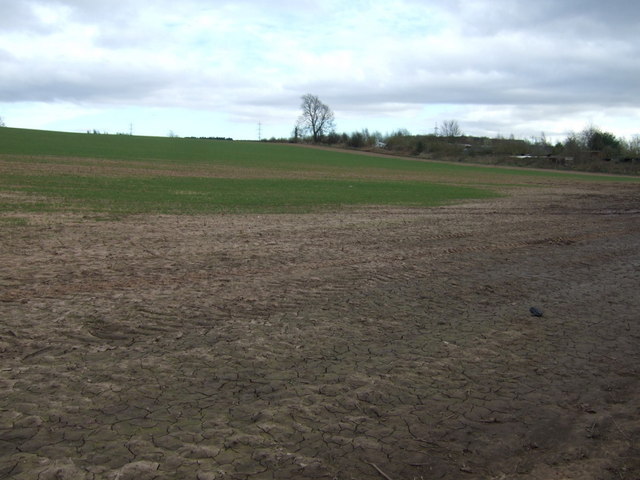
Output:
x,y
14,221
189,195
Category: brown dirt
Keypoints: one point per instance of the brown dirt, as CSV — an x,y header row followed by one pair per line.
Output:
x,y
364,344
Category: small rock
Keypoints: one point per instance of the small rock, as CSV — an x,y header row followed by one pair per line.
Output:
x,y
62,470
206,476
141,470
536,312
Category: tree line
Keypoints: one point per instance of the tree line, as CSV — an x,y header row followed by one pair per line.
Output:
x,y
589,149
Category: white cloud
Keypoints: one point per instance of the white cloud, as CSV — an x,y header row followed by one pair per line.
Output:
x,y
496,64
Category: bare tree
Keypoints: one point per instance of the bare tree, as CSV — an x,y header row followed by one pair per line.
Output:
x,y
296,134
2,122
316,118
633,145
450,128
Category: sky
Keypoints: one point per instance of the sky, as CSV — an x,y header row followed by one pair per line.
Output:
x,y
239,68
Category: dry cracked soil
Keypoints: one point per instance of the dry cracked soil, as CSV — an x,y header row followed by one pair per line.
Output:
x,y
377,343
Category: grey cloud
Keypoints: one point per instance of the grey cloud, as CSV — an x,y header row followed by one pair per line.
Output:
x,y
612,17
586,17
98,12
6,58
19,16
526,67
64,82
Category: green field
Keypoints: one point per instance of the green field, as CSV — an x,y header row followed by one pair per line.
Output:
x,y
51,171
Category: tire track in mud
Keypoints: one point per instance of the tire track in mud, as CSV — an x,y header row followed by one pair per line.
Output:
x,y
380,342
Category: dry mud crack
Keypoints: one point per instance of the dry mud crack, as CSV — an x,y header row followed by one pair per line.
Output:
x,y
363,344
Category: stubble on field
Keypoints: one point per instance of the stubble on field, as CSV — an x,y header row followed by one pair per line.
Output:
x,y
366,343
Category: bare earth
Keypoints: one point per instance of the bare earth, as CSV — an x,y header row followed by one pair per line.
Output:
x,y
381,343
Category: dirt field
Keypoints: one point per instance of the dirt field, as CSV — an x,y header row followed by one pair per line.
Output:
x,y
369,344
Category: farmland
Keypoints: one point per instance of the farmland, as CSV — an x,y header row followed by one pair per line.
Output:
x,y
123,174
182,308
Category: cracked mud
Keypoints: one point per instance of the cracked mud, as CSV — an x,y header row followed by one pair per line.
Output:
x,y
365,344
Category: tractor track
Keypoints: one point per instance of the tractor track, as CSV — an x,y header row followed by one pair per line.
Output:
x,y
341,345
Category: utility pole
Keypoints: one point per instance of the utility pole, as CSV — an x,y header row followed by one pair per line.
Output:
x,y
131,129
259,131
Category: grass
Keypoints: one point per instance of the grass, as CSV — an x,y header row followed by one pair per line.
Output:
x,y
191,195
13,221
53,171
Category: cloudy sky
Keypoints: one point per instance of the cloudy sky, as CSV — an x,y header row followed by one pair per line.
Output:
x,y
221,68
